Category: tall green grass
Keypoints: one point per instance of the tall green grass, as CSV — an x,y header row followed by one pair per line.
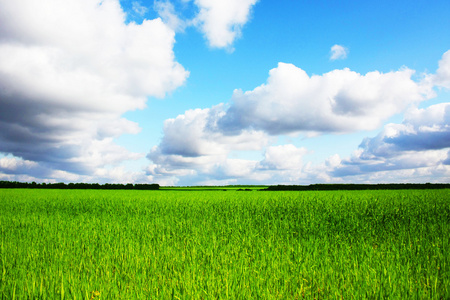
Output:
x,y
79,244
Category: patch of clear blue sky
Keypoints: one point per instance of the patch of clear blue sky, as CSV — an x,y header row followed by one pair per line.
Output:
x,y
380,35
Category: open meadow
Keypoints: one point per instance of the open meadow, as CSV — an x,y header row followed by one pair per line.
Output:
x,y
97,244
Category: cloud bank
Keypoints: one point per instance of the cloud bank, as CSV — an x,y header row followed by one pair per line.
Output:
x,y
198,146
68,71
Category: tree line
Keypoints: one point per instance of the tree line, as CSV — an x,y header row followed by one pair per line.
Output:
x,y
347,187
78,186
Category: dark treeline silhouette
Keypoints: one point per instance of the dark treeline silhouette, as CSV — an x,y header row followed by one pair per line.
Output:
x,y
79,186
154,186
350,187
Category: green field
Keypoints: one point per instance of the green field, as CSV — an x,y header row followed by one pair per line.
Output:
x,y
96,244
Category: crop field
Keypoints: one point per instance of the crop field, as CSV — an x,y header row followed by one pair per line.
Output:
x,y
97,244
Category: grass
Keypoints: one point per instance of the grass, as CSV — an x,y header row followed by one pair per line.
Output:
x,y
89,244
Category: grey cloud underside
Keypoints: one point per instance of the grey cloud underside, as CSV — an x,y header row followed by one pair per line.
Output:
x,y
447,161
421,141
37,171
24,134
429,133
238,119
362,167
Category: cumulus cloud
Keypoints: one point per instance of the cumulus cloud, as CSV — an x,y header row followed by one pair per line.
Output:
x,y
421,141
193,144
280,164
17,169
338,52
12,165
197,144
221,21
283,157
194,134
69,70
417,150
195,150
442,76
338,101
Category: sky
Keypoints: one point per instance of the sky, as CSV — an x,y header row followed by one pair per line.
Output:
x,y
211,92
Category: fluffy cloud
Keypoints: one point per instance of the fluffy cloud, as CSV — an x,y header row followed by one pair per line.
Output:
x,y
442,76
11,165
196,146
338,52
422,141
69,70
281,164
16,169
422,129
338,101
192,144
222,21
195,151
283,157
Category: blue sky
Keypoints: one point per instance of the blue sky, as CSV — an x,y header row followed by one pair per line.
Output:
x,y
202,92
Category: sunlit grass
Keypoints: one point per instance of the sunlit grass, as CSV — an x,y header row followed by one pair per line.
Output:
x,y
86,244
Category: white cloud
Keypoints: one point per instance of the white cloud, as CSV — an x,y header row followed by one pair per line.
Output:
x,y
193,149
222,21
422,129
120,175
16,169
196,146
422,141
13,163
69,70
338,52
442,76
167,13
192,141
195,134
417,150
139,9
236,168
338,101
283,157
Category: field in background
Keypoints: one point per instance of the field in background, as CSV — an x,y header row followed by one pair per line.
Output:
x,y
97,244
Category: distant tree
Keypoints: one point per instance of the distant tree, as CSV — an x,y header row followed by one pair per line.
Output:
x,y
62,185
